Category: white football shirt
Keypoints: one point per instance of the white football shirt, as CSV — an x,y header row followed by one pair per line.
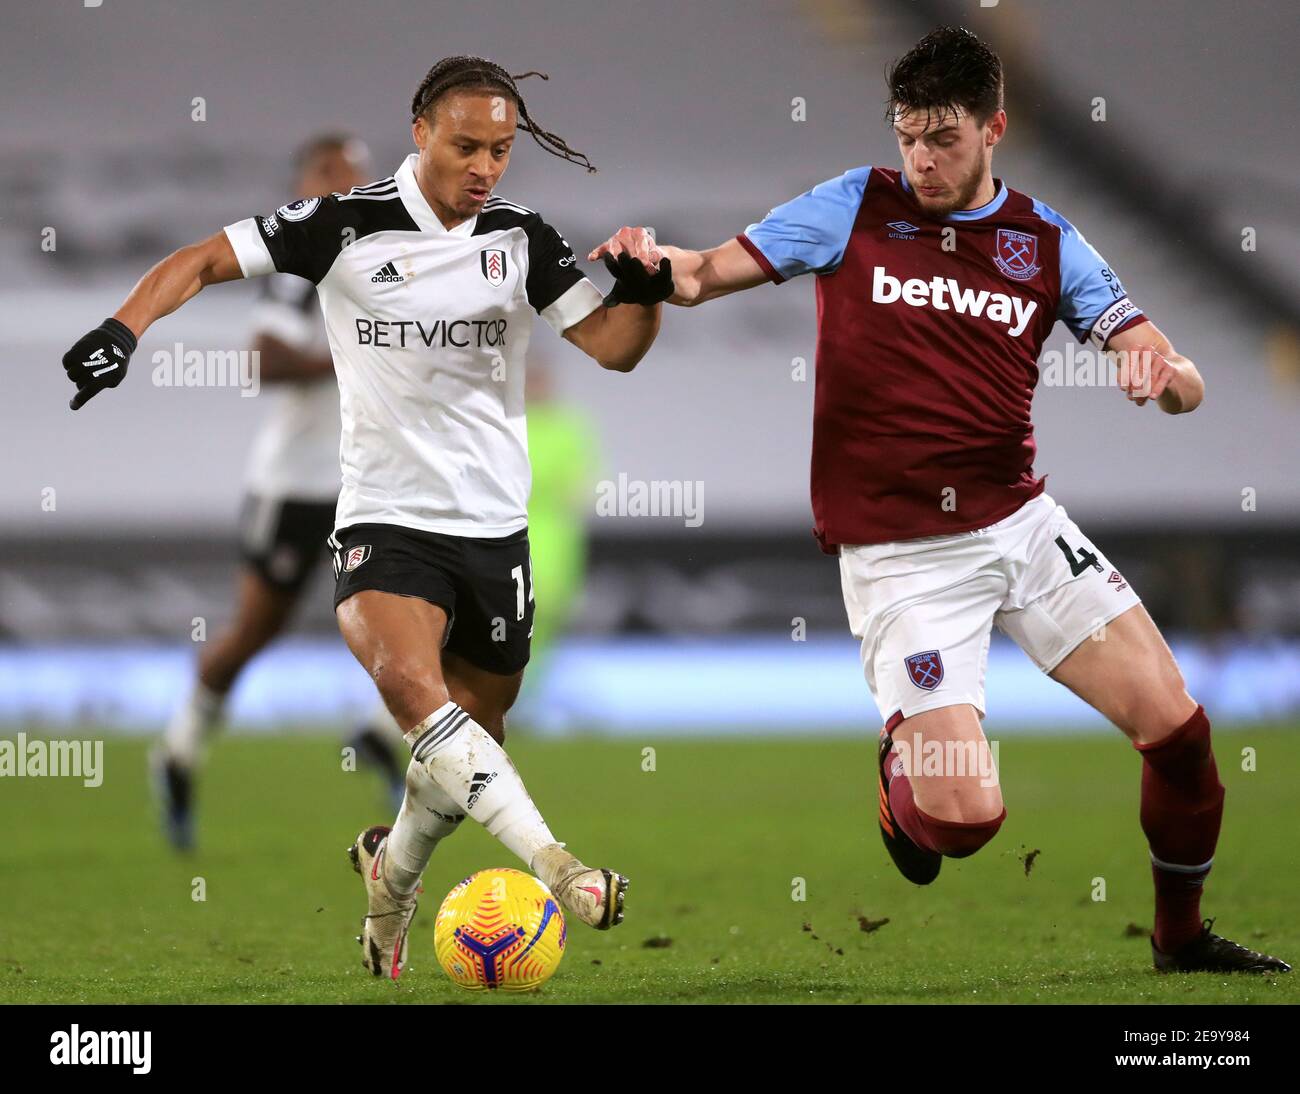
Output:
x,y
295,455
429,331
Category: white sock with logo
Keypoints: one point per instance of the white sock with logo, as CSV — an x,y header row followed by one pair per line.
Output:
x,y
192,723
475,772
427,816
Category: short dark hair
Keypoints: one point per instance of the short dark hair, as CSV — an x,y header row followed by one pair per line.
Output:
x,y
479,74
950,67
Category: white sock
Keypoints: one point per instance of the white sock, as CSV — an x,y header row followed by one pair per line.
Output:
x,y
191,724
475,772
428,815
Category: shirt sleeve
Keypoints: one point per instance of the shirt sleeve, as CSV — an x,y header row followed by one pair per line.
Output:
x,y
556,288
303,238
1093,303
809,233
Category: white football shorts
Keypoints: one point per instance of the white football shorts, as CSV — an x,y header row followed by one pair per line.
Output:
x,y
924,608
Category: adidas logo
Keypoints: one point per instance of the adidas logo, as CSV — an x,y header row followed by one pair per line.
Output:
x,y
477,785
388,272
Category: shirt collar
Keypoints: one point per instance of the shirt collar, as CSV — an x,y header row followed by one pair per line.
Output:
x,y
987,209
412,196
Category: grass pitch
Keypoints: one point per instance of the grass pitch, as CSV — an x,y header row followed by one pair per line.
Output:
x,y
718,839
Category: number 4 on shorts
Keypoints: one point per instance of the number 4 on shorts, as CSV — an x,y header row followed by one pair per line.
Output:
x,y
1080,563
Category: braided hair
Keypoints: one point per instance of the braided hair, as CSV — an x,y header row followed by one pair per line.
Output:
x,y
480,73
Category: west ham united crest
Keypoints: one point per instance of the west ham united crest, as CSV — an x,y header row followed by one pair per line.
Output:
x,y
1016,254
925,669
494,266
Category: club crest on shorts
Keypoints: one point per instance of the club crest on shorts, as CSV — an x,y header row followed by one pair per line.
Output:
x,y
493,262
925,669
355,557
1016,254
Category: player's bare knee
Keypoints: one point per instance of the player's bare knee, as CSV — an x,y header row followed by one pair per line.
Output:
x,y
961,839
986,807
1151,716
1163,725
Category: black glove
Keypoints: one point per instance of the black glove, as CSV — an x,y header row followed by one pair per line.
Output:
x,y
632,285
98,360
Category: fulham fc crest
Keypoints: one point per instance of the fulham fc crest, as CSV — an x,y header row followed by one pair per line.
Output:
x,y
925,669
355,557
494,266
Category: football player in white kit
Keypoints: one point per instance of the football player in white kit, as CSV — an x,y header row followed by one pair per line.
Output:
x,y
428,283
291,486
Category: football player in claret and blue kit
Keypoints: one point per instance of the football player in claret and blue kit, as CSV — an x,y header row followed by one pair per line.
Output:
x,y
937,285
428,280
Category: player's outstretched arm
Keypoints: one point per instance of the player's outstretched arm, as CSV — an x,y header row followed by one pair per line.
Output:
x,y
1150,369
618,337
99,359
705,275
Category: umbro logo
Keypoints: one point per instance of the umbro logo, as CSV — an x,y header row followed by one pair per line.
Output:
x,y
901,229
477,785
388,272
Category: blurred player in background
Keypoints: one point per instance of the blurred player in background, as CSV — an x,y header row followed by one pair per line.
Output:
x,y
562,448
936,287
429,283
291,489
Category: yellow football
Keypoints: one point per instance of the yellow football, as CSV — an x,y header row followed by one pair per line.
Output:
x,y
499,929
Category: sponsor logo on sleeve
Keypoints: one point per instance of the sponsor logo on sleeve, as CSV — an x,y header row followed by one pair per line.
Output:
x,y
1111,320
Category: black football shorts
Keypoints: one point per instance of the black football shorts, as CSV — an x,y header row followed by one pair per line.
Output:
x,y
281,539
485,585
